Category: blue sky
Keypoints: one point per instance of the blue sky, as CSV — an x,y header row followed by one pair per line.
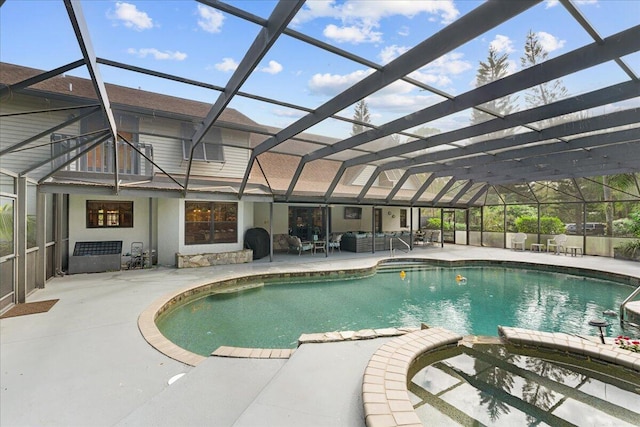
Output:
x,y
194,41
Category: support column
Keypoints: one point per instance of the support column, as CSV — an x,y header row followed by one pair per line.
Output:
x,y
373,229
411,227
151,227
326,231
41,239
21,240
59,239
270,231
504,227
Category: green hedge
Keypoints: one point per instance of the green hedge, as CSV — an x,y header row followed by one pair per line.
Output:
x,y
548,224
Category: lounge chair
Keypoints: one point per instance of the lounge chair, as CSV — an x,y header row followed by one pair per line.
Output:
x,y
559,243
518,240
298,245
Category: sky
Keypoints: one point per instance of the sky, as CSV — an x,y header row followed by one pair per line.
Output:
x,y
191,40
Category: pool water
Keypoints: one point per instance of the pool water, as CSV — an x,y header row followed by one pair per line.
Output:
x,y
275,315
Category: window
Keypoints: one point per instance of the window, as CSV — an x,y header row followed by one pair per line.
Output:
x,y
209,150
403,217
108,213
210,222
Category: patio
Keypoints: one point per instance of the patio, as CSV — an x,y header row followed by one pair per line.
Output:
x,y
85,362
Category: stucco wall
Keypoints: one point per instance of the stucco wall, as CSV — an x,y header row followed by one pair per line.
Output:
x,y
78,231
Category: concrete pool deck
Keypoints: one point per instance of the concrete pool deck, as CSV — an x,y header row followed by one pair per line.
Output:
x,y
85,363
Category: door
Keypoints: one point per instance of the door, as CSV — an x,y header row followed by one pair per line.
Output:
x,y
449,226
377,220
306,222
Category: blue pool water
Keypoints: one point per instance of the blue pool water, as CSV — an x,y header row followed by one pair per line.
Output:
x,y
275,315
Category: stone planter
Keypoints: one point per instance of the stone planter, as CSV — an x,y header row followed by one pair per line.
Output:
x,y
211,259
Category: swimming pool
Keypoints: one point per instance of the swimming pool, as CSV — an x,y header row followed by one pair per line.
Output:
x,y
274,315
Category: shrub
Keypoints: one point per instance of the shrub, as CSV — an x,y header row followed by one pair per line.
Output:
x,y
623,227
548,224
551,225
527,224
629,249
635,227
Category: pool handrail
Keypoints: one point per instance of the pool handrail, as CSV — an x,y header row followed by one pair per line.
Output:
x,y
391,250
627,300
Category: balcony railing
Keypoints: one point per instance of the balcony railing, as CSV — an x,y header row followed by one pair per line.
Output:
x,y
100,158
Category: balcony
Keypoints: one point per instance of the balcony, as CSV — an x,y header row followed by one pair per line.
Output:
x,y
99,160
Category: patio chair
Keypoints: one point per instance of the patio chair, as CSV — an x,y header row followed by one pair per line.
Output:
x,y
518,240
335,243
419,238
559,243
434,237
298,245
136,255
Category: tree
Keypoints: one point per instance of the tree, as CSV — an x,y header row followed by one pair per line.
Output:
x,y
360,115
544,93
621,181
494,68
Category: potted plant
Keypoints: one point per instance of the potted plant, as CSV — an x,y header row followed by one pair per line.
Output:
x,y
629,251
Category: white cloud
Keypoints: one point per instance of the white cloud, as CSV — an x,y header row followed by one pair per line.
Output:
x,y
210,19
437,72
399,96
157,54
359,18
332,84
403,31
399,103
273,68
227,64
389,53
288,113
549,42
502,44
451,63
554,3
432,79
352,34
512,66
131,17
373,11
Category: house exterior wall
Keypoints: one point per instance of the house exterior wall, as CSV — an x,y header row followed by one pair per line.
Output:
x,y
165,135
78,231
171,231
17,128
170,228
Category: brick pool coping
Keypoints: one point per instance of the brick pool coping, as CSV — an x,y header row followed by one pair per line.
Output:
x,y
608,352
384,385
